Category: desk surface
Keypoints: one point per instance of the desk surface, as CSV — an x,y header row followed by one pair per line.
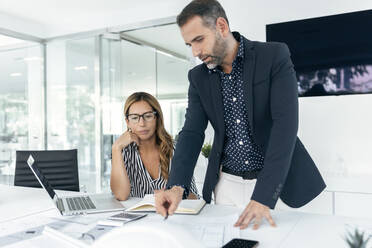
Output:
x,y
20,207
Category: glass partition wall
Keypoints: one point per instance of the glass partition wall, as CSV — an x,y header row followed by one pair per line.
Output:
x,y
72,102
88,82
21,101
80,104
142,66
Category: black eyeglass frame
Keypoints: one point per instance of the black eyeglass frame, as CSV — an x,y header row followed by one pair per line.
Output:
x,y
143,116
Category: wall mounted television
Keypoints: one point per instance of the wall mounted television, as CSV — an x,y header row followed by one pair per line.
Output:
x,y
332,55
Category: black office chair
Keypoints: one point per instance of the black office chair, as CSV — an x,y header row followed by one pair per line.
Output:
x,y
60,167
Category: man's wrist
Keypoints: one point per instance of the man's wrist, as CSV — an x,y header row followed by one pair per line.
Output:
x,y
181,189
178,189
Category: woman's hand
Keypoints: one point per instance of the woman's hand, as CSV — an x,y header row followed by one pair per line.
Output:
x,y
124,140
119,181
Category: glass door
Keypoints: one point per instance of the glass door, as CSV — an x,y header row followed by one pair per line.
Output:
x,y
21,102
73,104
126,68
112,103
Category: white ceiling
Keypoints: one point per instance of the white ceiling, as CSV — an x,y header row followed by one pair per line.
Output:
x,y
50,18
167,37
138,65
7,41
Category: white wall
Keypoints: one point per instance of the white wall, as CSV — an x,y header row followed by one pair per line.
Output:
x,y
250,17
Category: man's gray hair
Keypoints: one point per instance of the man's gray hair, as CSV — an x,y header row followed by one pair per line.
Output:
x,y
208,10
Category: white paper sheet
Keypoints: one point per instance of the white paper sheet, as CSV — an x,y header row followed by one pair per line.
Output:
x,y
211,231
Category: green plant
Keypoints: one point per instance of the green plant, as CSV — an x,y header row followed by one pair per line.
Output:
x,y
356,239
206,149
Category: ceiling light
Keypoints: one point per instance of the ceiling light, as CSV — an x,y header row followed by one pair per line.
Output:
x,y
80,68
31,58
15,74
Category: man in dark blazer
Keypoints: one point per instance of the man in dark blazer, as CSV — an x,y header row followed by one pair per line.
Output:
x,y
268,92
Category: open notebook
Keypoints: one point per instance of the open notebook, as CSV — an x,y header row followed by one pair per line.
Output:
x,y
147,204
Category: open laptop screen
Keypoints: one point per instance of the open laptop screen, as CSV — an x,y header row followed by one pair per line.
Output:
x,y
40,176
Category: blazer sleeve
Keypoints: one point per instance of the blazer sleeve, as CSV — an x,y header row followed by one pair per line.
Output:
x,y
284,114
190,139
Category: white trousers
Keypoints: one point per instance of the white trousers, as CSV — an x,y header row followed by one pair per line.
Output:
x,y
233,190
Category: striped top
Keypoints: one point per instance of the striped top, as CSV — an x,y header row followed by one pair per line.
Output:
x,y
141,182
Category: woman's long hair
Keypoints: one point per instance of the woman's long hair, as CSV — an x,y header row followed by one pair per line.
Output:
x,y
163,138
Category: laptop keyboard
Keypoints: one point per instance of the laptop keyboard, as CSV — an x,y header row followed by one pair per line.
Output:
x,y
80,203
60,205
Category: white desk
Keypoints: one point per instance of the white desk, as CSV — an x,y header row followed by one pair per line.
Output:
x,y
22,208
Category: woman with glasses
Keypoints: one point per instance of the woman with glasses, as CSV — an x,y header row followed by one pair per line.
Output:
x,y
142,155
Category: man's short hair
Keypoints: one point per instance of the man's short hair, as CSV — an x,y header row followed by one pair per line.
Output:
x,y
208,10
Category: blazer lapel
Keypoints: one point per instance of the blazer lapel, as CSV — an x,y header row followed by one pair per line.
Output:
x,y
216,94
248,76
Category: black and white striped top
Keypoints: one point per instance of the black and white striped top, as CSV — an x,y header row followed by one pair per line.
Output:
x,y
140,179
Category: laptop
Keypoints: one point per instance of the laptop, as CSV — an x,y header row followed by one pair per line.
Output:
x,y
76,204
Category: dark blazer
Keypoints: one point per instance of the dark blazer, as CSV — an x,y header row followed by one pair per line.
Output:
x,y
271,99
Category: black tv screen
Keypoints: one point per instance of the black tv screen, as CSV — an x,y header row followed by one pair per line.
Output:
x,y
332,55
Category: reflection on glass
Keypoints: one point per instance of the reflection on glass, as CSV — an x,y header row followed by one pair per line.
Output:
x,y
20,100
174,114
71,103
138,69
112,104
178,109
172,77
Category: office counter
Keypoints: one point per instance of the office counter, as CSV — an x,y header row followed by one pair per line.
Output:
x,y
22,208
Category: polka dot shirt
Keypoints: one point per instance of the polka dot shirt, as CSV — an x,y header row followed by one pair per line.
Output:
x,y
240,152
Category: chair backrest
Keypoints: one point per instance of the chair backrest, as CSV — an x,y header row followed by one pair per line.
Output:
x,y
60,167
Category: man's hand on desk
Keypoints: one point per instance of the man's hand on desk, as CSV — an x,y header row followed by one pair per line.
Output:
x,y
254,213
166,201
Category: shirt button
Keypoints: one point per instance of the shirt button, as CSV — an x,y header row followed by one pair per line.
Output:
x,y
229,77
246,162
240,142
238,121
234,99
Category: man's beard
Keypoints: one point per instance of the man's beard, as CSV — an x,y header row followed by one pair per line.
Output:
x,y
218,53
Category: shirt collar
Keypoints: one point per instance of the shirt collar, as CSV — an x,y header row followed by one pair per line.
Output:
x,y
240,54
239,38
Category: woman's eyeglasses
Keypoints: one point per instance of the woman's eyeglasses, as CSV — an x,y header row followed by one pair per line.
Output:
x,y
135,118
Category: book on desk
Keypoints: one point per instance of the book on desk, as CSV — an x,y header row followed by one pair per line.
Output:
x,y
147,204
